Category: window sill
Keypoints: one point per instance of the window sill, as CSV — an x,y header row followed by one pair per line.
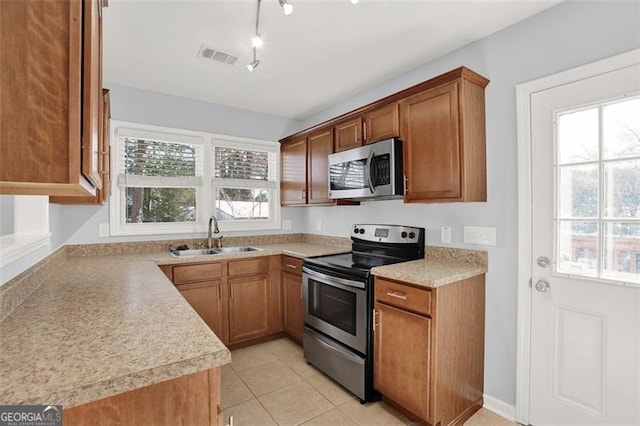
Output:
x,y
14,247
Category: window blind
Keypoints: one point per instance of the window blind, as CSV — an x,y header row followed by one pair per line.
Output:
x,y
244,164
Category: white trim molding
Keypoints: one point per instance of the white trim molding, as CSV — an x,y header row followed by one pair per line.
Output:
x,y
524,92
499,407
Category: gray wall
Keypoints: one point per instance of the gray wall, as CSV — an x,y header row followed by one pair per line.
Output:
x,y
6,214
563,37
79,224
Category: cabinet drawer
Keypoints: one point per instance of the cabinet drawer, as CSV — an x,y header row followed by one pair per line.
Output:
x,y
292,265
403,296
202,272
248,267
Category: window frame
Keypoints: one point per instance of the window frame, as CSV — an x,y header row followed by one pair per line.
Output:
x,y
205,191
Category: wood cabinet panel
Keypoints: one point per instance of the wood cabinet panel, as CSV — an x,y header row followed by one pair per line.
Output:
x,y
293,176
248,267
402,357
196,272
403,296
382,123
293,309
51,72
248,308
206,299
432,148
189,400
348,134
320,145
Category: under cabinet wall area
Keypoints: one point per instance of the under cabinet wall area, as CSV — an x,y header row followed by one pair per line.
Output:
x,y
441,123
51,107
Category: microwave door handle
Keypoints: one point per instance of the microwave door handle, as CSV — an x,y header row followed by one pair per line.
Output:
x,y
368,174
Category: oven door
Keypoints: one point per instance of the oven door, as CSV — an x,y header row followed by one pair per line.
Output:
x,y
336,307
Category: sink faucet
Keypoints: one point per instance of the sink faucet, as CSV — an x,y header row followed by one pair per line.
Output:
x,y
213,222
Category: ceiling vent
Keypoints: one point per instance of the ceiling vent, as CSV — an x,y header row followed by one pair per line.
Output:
x,y
208,52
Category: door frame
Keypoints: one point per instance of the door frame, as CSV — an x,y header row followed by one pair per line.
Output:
x,y
523,108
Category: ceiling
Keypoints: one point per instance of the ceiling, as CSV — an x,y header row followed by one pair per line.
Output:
x,y
322,54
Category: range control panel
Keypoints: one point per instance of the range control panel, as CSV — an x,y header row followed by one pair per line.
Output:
x,y
387,233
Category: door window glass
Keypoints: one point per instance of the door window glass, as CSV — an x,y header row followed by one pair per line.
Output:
x,y
598,190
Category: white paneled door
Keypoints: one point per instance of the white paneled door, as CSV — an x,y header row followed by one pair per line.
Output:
x,y
585,246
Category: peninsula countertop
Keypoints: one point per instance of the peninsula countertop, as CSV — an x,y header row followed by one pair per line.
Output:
x,y
105,324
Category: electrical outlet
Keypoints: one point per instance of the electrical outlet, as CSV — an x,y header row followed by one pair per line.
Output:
x,y
481,235
318,225
103,230
286,224
445,234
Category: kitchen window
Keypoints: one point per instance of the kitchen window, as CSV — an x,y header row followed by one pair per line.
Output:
x,y
172,181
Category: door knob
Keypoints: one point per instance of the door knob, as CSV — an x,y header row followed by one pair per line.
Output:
x,y
543,262
543,285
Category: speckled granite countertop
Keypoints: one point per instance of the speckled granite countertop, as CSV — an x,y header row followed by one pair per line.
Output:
x,y
106,324
429,272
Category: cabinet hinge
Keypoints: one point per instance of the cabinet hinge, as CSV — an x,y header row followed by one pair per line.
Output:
x,y
530,282
406,182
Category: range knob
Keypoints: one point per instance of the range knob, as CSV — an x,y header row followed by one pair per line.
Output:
x,y
355,230
412,235
362,230
404,234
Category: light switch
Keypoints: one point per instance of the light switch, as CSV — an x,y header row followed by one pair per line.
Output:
x,y
286,224
445,234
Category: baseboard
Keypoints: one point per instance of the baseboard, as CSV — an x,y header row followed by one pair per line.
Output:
x,y
499,407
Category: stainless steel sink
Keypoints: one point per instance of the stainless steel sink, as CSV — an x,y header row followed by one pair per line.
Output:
x,y
192,252
213,251
240,249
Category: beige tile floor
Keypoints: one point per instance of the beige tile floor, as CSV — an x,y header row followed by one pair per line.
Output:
x,y
271,384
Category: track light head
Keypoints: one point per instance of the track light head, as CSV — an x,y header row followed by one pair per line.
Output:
x,y
253,65
287,8
257,41
354,1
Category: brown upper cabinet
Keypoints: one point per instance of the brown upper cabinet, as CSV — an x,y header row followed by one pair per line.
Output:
x,y
50,97
382,123
104,166
348,134
293,176
442,125
444,149
305,168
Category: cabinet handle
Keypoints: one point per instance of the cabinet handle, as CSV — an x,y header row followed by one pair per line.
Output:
x,y
406,183
364,125
219,292
374,320
397,295
288,265
304,192
231,291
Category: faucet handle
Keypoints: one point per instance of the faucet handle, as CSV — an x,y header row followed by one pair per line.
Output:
x,y
219,241
200,244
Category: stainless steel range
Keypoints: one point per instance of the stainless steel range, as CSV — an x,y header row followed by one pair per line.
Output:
x,y
338,302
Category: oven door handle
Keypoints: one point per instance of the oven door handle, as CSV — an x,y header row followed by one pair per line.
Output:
x,y
341,352
334,281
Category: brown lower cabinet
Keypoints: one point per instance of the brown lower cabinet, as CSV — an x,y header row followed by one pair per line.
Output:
x,y
292,295
240,300
186,400
429,348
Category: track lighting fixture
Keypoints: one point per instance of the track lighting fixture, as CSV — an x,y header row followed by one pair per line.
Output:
x,y
354,1
287,8
256,41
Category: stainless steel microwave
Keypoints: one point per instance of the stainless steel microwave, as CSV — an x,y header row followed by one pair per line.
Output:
x,y
368,172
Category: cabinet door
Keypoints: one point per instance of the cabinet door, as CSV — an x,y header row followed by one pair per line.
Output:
x,y
401,352
432,144
248,308
292,291
206,299
294,173
91,91
348,134
382,123
320,146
